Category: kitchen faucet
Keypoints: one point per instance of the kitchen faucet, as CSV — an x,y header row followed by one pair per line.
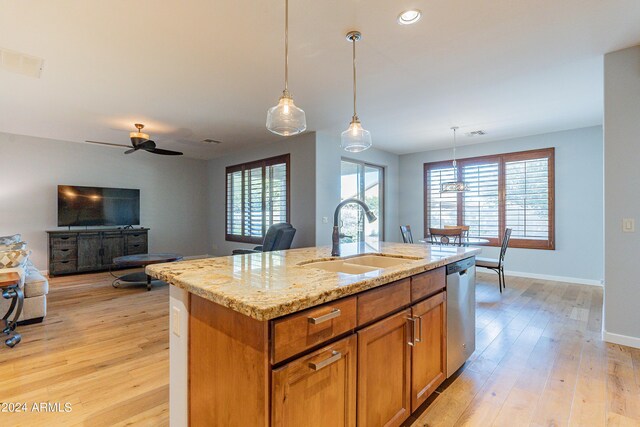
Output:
x,y
335,238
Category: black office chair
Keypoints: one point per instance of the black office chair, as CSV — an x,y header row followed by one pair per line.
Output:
x,y
407,236
279,237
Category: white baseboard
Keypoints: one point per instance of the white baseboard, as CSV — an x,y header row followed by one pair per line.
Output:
x,y
621,339
565,279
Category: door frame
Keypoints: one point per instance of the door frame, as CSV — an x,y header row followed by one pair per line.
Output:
x,y
383,190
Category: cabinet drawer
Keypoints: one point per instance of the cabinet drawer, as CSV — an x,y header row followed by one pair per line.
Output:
x,y
136,238
64,254
318,389
62,267
139,248
429,283
300,331
64,241
377,302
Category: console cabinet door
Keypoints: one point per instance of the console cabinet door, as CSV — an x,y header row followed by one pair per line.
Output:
x,y
318,389
112,247
429,355
384,372
89,251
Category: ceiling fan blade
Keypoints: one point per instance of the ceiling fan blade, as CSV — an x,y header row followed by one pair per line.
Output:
x,y
107,143
147,145
164,152
131,150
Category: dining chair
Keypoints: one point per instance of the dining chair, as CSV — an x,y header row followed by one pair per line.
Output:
x,y
445,236
497,265
405,230
463,228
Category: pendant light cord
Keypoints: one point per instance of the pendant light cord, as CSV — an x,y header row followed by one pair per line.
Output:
x,y
286,46
353,40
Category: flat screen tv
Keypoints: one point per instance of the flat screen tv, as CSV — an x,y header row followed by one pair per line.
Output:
x,y
97,206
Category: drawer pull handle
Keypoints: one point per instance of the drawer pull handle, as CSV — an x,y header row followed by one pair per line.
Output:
x,y
335,356
331,315
64,238
64,250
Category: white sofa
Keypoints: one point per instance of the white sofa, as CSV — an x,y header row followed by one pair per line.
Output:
x,y
35,287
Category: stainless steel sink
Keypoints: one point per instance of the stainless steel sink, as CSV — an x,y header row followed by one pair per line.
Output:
x,y
359,264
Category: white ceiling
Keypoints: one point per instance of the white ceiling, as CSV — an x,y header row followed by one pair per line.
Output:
x,y
211,68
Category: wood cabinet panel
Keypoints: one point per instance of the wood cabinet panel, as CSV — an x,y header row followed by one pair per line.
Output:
x,y
89,251
112,247
298,332
428,354
317,390
428,283
378,302
384,372
228,367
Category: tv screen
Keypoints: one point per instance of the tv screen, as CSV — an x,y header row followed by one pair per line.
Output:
x,y
97,206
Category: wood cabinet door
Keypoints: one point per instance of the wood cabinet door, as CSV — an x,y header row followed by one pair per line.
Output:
x,y
112,247
429,351
89,254
318,389
384,372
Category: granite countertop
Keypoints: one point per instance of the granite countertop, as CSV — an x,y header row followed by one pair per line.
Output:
x,y
272,284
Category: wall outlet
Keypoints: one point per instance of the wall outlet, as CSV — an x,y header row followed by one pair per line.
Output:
x,y
628,225
175,321
325,220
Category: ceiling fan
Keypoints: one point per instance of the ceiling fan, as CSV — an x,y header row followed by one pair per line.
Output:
x,y
140,141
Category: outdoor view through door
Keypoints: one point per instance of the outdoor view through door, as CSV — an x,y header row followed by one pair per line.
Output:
x,y
365,182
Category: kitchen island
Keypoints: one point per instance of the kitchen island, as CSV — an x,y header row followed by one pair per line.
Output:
x,y
297,337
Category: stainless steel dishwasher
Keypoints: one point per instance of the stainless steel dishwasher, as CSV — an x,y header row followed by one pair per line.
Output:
x,y
461,313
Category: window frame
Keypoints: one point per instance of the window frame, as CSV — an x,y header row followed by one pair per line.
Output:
x,y
241,167
502,159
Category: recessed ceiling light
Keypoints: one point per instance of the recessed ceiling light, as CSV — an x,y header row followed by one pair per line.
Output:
x,y
409,17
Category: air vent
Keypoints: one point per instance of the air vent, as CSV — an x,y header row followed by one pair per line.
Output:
x,y
211,141
20,63
476,133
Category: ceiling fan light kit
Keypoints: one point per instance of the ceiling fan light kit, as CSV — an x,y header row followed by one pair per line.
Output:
x,y
285,118
355,139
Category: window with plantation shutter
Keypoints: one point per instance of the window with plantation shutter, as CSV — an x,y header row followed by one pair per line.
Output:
x,y
442,208
514,190
481,207
257,197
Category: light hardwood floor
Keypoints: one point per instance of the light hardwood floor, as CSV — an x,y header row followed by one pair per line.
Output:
x,y
539,360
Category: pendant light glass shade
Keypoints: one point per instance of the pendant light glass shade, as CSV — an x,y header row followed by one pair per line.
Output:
x,y
286,119
457,185
355,138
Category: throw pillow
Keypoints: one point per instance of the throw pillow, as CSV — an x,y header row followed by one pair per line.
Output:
x,y
13,246
7,240
10,259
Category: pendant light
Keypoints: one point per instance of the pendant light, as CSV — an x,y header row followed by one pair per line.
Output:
x,y
286,119
355,138
455,186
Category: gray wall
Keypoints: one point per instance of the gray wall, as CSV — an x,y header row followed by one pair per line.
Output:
x,y
578,191
173,190
328,155
622,195
303,202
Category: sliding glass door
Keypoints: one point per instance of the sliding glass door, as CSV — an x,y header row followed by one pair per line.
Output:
x,y
362,181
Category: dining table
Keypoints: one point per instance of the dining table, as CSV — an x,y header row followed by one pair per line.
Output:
x,y
465,241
